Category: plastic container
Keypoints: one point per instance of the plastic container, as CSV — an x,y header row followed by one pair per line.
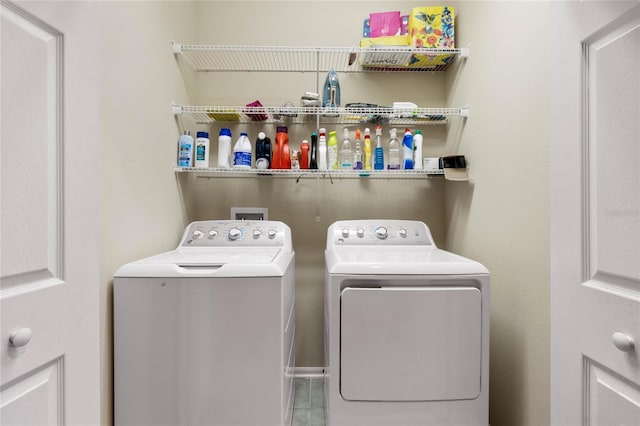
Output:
x,y
313,161
417,143
263,151
322,150
185,150
346,152
407,150
379,153
304,155
394,151
358,152
202,150
242,152
332,151
224,148
281,157
367,149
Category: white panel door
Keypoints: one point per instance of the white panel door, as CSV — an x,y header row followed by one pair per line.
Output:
x,y
595,216
48,223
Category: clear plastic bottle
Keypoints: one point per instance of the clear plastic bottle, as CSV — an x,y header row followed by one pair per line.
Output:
x,y
417,143
224,148
379,152
357,162
346,152
201,158
407,150
242,152
185,150
332,150
394,151
367,149
322,150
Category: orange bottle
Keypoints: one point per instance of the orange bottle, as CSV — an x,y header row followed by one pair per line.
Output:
x,y
281,156
304,154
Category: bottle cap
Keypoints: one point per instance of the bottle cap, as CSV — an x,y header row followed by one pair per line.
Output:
x,y
187,132
346,133
357,133
261,135
323,131
202,135
418,132
243,134
281,129
225,132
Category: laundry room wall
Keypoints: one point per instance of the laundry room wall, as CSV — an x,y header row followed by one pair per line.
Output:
x,y
142,210
499,218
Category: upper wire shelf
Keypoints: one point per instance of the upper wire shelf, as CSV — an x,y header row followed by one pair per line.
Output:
x,y
212,58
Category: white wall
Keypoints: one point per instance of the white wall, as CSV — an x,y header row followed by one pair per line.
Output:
x,y
141,208
500,218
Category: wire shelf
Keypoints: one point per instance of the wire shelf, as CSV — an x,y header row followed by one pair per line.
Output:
x,y
216,58
301,115
216,172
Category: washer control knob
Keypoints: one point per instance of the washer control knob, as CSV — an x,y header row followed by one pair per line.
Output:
x,y
257,233
360,232
272,233
197,234
381,232
403,233
212,234
234,234
345,232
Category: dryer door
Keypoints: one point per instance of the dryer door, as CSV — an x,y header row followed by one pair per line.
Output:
x,y
410,343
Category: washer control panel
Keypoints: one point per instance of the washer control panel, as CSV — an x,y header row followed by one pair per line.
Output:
x,y
233,233
379,232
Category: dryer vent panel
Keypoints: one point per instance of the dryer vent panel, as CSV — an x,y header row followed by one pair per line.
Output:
x,y
249,213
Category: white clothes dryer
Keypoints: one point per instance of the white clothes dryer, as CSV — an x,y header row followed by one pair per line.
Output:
x,y
406,329
204,334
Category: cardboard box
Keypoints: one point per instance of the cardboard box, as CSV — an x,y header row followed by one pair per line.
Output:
x,y
432,27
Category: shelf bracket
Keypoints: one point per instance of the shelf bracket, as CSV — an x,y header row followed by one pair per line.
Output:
x,y
177,109
464,52
465,112
176,48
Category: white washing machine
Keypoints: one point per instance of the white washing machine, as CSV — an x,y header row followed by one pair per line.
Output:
x,y
204,334
406,329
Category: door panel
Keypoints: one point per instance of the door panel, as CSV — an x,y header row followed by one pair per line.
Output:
x,y
48,214
410,343
595,214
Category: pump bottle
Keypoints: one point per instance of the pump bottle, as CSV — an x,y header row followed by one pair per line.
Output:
x,y
367,149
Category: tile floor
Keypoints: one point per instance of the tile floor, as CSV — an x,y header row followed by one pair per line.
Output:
x,y
308,406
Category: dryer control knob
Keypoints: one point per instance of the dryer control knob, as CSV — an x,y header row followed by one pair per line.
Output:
x,y
403,233
212,234
360,232
345,232
256,233
381,232
272,233
197,234
234,234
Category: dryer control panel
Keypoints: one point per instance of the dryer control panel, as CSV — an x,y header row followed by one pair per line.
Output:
x,y
234,233
379,233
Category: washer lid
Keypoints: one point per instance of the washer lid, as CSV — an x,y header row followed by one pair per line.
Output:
x,y
211,262
399,260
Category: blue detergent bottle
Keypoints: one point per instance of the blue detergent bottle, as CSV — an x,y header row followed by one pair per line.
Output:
x,y
407,150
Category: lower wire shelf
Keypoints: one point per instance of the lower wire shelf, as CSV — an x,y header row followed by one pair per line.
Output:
x,y
217,172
